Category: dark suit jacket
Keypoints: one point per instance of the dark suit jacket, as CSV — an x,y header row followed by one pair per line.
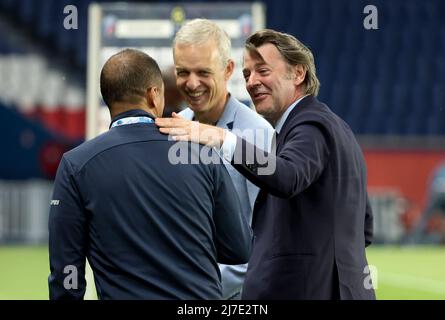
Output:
x,y
312,218
150,229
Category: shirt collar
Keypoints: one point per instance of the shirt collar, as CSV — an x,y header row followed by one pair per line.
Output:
x,y
229,113
132,113
283,118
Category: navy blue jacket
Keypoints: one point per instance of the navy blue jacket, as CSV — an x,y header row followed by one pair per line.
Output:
x,y
312,218
150,229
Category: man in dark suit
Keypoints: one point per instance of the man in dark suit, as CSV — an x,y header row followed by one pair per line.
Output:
x,y
312,218
150,229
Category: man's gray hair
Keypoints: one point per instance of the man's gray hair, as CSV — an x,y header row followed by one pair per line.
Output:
x,y
199,31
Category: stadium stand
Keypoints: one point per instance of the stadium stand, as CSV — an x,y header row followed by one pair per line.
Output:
x,y
404,53
385,83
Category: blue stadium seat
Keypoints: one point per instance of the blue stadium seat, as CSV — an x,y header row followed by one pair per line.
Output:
x,y
425,69
415,125
373,125
394,125
314,35
421,100
394,75
414,13
406,69
9,5
433,12
380,103
356,123
429,44
300,9
395,14
338,100
435,123
366,68
401,104
46,15
274,15
352,40
326,69
360,98
27,10
339,13
439,67
438,97
345,69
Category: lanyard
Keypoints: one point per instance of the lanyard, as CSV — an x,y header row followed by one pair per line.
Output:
x,y
131,120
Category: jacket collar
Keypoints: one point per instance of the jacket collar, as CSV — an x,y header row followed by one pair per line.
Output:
x,y
132,113
301,106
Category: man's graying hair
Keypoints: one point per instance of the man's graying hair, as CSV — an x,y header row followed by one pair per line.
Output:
x,y
292,50
199,31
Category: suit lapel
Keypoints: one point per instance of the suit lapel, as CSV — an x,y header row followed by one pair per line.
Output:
x,y
279,142
298,108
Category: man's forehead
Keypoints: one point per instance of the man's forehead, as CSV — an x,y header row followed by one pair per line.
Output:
x,y
255,57
196,56
208,47
266,54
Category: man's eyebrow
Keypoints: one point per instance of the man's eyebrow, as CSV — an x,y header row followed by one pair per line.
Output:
x,y
197,69
257,65
261,64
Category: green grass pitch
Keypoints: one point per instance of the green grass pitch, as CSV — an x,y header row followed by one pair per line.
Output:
x,y
402,273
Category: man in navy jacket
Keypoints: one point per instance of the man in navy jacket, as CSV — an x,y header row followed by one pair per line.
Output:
x,y
312,218
151,228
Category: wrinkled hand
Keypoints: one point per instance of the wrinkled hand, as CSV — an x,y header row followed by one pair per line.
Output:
x,y
181,129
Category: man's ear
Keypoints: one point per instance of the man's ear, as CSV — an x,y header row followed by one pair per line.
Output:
x,y
300,74
151,95
229,69
156,100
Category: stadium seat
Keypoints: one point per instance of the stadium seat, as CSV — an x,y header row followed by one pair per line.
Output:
x,y
400,65
27,11
380,103
438,97
425,69
439,67
338,100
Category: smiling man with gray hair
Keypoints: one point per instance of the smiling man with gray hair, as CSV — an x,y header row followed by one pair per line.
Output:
x,y
201,51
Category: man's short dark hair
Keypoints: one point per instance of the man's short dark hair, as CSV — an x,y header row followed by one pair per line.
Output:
x,y
127,75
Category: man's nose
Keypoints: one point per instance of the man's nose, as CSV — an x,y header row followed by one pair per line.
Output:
x,y
252,81
192,82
